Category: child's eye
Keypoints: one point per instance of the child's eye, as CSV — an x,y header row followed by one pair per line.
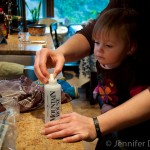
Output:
x,y
109,46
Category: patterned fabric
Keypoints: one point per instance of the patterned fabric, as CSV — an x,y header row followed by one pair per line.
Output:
x,y
117,85
87,65
29,94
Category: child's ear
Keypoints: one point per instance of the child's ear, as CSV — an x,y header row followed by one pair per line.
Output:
x,y
133,48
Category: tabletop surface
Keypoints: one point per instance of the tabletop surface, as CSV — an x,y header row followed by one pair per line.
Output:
x,y
29,137
14,47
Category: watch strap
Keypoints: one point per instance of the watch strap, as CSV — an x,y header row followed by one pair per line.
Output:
x,y
97,127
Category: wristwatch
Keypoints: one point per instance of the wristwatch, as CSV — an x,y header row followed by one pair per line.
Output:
x,y
97,127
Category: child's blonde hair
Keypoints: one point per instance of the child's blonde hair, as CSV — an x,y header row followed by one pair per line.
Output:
x,y
125,22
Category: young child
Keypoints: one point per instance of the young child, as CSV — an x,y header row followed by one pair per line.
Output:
x,y
116,35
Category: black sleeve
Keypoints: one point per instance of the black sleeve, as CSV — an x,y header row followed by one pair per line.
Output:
x,y
87,32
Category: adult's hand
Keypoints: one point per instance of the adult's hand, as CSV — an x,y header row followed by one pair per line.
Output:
x,y
46,58
71,127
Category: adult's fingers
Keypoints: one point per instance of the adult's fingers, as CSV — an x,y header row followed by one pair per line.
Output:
x,y
44,58
37,68
67,133
59,64
73,138
56,122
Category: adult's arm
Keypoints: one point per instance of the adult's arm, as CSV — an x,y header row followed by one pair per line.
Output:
x,y
76,47
73,49
74,127
132,112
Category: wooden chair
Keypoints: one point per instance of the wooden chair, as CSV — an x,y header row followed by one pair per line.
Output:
x,y
53,32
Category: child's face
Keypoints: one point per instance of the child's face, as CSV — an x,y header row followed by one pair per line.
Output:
x,y
111,49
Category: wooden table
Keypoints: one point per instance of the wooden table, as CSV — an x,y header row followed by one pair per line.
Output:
x,y
29,137
13,46
25,54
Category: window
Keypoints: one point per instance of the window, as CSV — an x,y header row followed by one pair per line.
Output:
x,y
78,11
68,11
34,4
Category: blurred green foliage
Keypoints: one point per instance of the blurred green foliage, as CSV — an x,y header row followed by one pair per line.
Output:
x,y
79,11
